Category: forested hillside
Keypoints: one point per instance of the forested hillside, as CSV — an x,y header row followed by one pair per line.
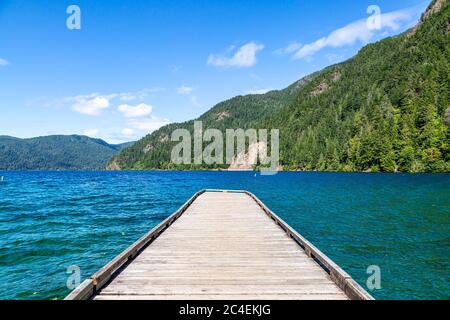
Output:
x,y
387,109
55,153
154,150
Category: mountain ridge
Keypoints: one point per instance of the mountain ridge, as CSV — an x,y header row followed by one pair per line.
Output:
x,y
56,152
385,109
236,112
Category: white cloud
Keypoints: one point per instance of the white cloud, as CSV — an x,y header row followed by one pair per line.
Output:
x,y
291,48
91,104
357,31
148,124
258,91
95,103
185,90
3,62
91,132
245,56
135,111
127,132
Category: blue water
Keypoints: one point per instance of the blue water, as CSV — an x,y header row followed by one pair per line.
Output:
x,y
52,220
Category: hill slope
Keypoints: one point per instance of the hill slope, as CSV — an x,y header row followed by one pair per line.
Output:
x,y
386,109
153,151
55,153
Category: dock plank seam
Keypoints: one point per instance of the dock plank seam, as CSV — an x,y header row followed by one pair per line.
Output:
x,y
107,275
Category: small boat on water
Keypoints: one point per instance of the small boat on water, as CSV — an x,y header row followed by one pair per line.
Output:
x,y
2,180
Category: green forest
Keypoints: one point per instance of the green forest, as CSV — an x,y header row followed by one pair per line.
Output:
x,y
56,153
385,110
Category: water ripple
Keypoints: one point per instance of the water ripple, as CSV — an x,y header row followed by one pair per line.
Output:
x,y
52,220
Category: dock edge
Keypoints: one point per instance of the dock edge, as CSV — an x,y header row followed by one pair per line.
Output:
x,y
88,288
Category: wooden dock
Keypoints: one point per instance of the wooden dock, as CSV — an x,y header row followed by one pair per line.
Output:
x,y
221,245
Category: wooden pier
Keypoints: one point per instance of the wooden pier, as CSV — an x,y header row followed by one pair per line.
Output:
x,y
221,245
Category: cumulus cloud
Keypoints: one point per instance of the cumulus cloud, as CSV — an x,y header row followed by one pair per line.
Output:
x,y
358,31
185,90
243,57
93,104
90,104
3,62
137,111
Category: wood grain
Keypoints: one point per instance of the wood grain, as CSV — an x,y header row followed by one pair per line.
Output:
x,y
224,246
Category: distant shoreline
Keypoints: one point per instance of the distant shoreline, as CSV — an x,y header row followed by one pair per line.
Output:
x,y
208,170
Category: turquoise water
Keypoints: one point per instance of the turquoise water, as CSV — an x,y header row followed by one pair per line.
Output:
x,y
52,220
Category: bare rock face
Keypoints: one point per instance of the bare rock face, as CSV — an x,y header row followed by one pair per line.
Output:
x,y
113,166
336,76
163,138
246,161
325,85
447,116
432,9
147,148
435,8
223,115
300,83
321,88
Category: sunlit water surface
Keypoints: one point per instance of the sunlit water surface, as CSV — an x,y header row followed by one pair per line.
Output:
x,y
52,220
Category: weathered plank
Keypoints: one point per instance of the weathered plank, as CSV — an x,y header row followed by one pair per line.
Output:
x,y
226,297
222,245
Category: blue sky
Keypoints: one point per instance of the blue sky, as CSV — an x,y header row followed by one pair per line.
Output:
x,y
137,65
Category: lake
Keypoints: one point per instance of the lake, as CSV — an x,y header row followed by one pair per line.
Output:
x,y
50,221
